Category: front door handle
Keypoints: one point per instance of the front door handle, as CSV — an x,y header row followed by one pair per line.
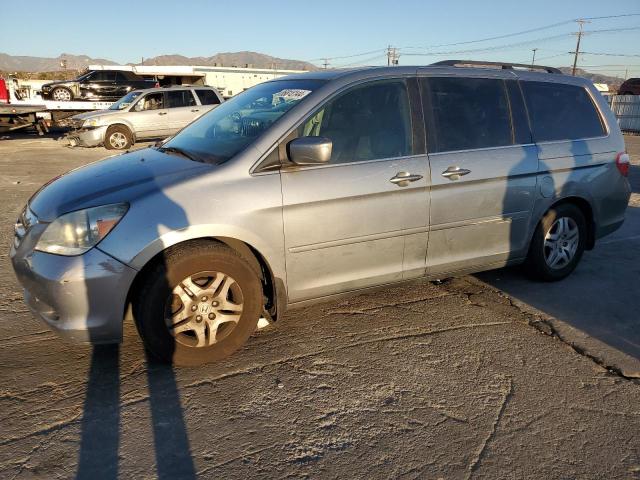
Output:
x,y
402,179
195,110
162,113
454,173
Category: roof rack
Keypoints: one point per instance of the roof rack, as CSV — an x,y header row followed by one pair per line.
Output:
x,y
503,65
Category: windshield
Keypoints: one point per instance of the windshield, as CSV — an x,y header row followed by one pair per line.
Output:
x,y
84,75
125,101
232,126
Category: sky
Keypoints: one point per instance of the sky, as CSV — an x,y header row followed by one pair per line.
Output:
x,y
125,31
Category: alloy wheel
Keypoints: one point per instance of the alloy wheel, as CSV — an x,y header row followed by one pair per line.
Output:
x,y
118,140
561,243
203,309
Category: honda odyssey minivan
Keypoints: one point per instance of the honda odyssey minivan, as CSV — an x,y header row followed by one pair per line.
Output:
x,y
314,185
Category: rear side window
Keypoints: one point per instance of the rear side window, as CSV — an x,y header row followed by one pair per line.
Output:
x,y
561,112
180,98
207,97
466,113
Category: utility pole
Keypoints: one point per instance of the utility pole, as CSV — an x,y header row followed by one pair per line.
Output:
x,y
325,63
533,60
392,56
577,52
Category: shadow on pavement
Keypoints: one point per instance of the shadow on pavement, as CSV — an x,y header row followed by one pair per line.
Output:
x,y
601,298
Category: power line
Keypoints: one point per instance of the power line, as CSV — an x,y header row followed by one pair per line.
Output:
x,y
494,47
523,32
366,61
610,54
497,37
362,54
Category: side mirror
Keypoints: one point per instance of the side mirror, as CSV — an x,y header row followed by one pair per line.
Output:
x,y
310,150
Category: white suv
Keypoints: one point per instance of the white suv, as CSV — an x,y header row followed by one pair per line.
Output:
x,y
150,113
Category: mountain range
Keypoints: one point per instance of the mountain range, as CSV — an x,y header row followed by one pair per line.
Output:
x,y
10,63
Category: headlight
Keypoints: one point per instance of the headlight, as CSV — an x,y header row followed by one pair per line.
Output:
x,y
92,122
76,232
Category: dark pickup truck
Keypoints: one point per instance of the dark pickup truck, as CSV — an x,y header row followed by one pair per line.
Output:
x,y
96,85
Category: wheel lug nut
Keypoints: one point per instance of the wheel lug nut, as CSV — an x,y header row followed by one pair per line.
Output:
x,y
204,299
193,308
211,316
215,304
198,318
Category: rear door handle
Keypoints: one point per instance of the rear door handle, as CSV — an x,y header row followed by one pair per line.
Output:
x,y
454,173
162,113
402,179
195,110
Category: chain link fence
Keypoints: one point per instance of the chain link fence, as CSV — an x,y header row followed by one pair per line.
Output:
x,y
627,111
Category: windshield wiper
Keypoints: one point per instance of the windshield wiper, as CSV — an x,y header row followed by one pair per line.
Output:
x,y
179,151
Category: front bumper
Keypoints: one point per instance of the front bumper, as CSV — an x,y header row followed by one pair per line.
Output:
x,y
82,298
87,137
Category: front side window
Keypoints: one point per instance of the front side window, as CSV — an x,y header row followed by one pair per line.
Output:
x,y
101,76
180,98
369,122
151,101
466,113
561,112
230,128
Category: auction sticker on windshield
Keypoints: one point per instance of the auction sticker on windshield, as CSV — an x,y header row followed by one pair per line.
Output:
x,y
290,94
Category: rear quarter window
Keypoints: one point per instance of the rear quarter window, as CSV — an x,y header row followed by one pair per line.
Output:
x,y
561,112
207,97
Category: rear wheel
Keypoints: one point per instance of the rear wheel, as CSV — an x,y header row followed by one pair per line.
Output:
x,y
199,305
118,137
558,243
62,94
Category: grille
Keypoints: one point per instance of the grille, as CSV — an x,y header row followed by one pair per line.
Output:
x,y
25,221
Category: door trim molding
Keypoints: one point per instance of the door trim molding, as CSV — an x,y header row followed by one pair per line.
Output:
x,y
359,239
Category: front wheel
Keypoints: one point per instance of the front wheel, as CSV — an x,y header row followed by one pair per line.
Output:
x,y
200,304
558,243
62,94
118,137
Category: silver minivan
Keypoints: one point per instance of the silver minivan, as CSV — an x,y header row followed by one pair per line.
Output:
x,y
142,114
320,184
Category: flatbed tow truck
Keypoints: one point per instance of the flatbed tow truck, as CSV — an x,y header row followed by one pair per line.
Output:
x,y
18,114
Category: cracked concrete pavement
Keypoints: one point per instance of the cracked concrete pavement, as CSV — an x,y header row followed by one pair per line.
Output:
x,y
486,376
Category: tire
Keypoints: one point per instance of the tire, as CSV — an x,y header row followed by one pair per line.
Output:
x,y
554,251
180,338
61,94
627,93
118,137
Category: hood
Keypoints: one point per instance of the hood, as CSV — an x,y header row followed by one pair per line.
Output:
x,y
58,82
97,113
122,178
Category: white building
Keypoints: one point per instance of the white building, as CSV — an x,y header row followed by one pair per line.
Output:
x,y
228,81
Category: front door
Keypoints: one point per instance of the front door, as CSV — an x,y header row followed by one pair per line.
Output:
x,y
149,116
100,84
483,168
354,222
